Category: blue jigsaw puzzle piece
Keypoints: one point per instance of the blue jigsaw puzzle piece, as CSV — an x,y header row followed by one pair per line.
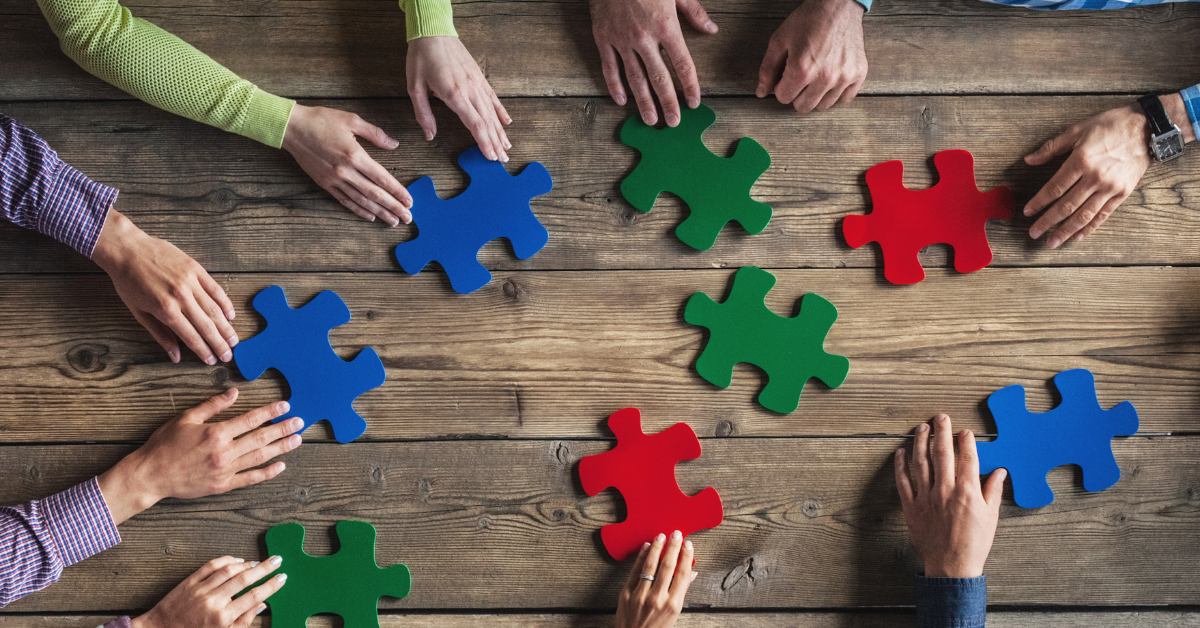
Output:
x,y
495,205
1078,432
296,343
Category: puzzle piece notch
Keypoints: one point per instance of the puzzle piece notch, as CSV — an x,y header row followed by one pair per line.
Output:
x,y
744,329
642,468
296,343
452,231
348,582
1078,431
716,189
953,212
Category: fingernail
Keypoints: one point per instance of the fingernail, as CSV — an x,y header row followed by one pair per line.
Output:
x,y
660,538
394,142
276,561
620,100
284,406
429,136
694,574
282,467
295,423
174,355
900,453
672,120
229,315
693,103
281,577
687,544
676,535
239,560
233,340
261,608
1028,210
293,441
1055,242
211,360
922,427
253,564
710,26
645,546
393,221
227,356
507,144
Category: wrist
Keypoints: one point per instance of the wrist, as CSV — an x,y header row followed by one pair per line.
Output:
x,y
296,123
142,622
952,571
126,488
113,247
1177,112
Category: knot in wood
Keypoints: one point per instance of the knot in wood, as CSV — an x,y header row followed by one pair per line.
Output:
x,y
515,291
562,452
220,376
925,119
743,573
87,358
725,428
811,508
628,217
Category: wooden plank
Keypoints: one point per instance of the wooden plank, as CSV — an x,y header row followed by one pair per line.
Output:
x,y
240,206
328,48
552,354
1163,619
809,523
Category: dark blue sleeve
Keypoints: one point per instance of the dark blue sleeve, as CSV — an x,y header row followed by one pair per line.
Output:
x,y
951,602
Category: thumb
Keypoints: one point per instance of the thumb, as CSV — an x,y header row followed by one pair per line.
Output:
x,y
696,16
161,334
1053,148
212,407
771,69
994,489
374,134
424,113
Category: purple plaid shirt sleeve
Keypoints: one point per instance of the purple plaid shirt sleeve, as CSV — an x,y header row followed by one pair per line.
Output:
x,y
39,191
39,539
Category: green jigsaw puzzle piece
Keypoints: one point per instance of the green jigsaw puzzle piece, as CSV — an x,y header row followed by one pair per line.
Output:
x,y
789,350
348,583
716,189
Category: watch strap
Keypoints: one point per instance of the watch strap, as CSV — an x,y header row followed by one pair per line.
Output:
x,y
1160,122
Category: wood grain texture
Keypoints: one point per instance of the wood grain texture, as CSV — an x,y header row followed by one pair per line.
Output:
x,y
552,354
331,48
1001,619
504,524
240,206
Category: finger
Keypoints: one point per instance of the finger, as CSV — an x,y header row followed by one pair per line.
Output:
x,y
422,110
181,324
351,205
264,436
812,94
683,574
771,70
650,564
993,490
920,460
256,476
1057,186
372,197
660,80
487,111
1061,209
1106,211
696,16
475,124
372,133
1053,147
850,93
219,577
239,582
666,569
252,601
384,179
211,407
903,485
202,321
211,566
832,97
943,453
612,74
791,84
636,77
161,334
247,618
217,294
635,573
237,426
685,69
261,456
217,318
501,112
1080,219
968,459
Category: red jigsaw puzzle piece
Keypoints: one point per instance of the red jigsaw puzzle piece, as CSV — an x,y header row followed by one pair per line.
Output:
x,y
953,212
642,468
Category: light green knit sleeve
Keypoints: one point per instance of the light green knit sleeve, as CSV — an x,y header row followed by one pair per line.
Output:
x,y
105,39
426,18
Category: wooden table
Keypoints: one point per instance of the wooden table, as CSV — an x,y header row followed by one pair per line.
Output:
x,y
468,467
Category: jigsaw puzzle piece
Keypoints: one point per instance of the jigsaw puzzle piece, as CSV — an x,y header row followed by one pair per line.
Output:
x,y
788,375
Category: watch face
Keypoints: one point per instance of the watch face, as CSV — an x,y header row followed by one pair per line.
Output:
x,y
1168,145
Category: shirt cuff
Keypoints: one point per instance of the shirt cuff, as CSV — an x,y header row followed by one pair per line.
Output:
x,y
428,18
120,622
77,209
1191,100
865,3
267,118
951,602
80,523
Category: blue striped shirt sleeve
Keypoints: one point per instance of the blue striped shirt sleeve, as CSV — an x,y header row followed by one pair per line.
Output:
x,y
39,191
1191,100
40,539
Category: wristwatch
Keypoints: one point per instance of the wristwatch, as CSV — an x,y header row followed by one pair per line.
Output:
x,y
1166,141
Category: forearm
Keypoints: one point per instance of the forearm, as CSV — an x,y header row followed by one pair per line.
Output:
x,y
39,191
951,602
39,539
105,39
1184,108
428,18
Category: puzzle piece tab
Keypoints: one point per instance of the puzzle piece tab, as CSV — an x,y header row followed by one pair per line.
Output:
x,y
789,350
1078,432
495,205
953,212
716,189
642,468
296,343
348,583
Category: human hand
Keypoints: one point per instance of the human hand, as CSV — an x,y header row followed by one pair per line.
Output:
x,y
441,66
657,602
169,293
323,141
951,518
188,457
206,598
816,57
638,30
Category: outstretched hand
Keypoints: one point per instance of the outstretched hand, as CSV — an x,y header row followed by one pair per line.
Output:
x,y
324,142
638,31
952,519
167,291
655,601
442,67
816,58
206,598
